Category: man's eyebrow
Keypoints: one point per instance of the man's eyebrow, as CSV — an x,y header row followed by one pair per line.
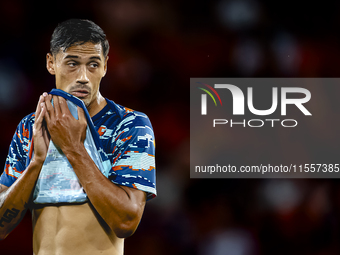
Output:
x,y
75,56
94,57
71,56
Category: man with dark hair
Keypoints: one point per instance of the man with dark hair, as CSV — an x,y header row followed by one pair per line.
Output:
x,y
114,202
75,31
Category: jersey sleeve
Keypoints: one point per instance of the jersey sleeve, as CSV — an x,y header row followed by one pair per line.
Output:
x,y
18,152
133,163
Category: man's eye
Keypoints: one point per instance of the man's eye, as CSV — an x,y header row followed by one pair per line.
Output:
x,y
94,65
72,64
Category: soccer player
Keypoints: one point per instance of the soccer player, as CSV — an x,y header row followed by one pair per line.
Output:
x,y
115,204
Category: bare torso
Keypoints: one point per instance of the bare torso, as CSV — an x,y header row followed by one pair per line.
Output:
x,y
72,230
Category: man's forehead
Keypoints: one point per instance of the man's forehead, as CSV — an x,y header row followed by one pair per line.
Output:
x,y
85,50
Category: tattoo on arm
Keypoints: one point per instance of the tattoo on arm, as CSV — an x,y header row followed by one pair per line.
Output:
x,y
8,216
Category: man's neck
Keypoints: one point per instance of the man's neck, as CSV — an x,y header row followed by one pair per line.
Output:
x,y
97,105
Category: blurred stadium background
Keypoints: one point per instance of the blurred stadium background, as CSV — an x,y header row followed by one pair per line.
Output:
x,y
156,46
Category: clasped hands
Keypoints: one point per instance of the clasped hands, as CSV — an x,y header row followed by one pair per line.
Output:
x,y
57,123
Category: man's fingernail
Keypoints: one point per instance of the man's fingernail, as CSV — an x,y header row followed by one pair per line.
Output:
x,y
44,94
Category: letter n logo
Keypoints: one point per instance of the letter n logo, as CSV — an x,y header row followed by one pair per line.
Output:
x,y
204,98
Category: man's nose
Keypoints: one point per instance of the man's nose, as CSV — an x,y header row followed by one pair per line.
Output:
x,y
82,75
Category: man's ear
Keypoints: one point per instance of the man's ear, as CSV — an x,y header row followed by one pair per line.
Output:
x,y
50,63
105,65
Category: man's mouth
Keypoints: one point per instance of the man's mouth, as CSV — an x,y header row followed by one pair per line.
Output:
x,y
80,93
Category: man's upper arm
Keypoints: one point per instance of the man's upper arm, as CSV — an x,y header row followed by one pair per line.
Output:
x,y
3,188
136,194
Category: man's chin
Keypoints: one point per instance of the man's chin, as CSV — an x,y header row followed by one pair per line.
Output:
x,y
86,100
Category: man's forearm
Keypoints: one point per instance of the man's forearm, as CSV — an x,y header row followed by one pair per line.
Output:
x,y
120,208
15,200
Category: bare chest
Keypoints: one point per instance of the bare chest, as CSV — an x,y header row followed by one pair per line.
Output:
x,y
72,229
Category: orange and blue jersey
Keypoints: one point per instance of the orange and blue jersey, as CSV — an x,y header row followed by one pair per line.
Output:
x,y
127,139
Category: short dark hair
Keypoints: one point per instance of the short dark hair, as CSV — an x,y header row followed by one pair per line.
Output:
x,y
76,32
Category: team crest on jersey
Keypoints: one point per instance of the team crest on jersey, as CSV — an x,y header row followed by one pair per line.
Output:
x,y
105,132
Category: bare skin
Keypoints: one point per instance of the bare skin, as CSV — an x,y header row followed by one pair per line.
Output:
x,y
113,212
